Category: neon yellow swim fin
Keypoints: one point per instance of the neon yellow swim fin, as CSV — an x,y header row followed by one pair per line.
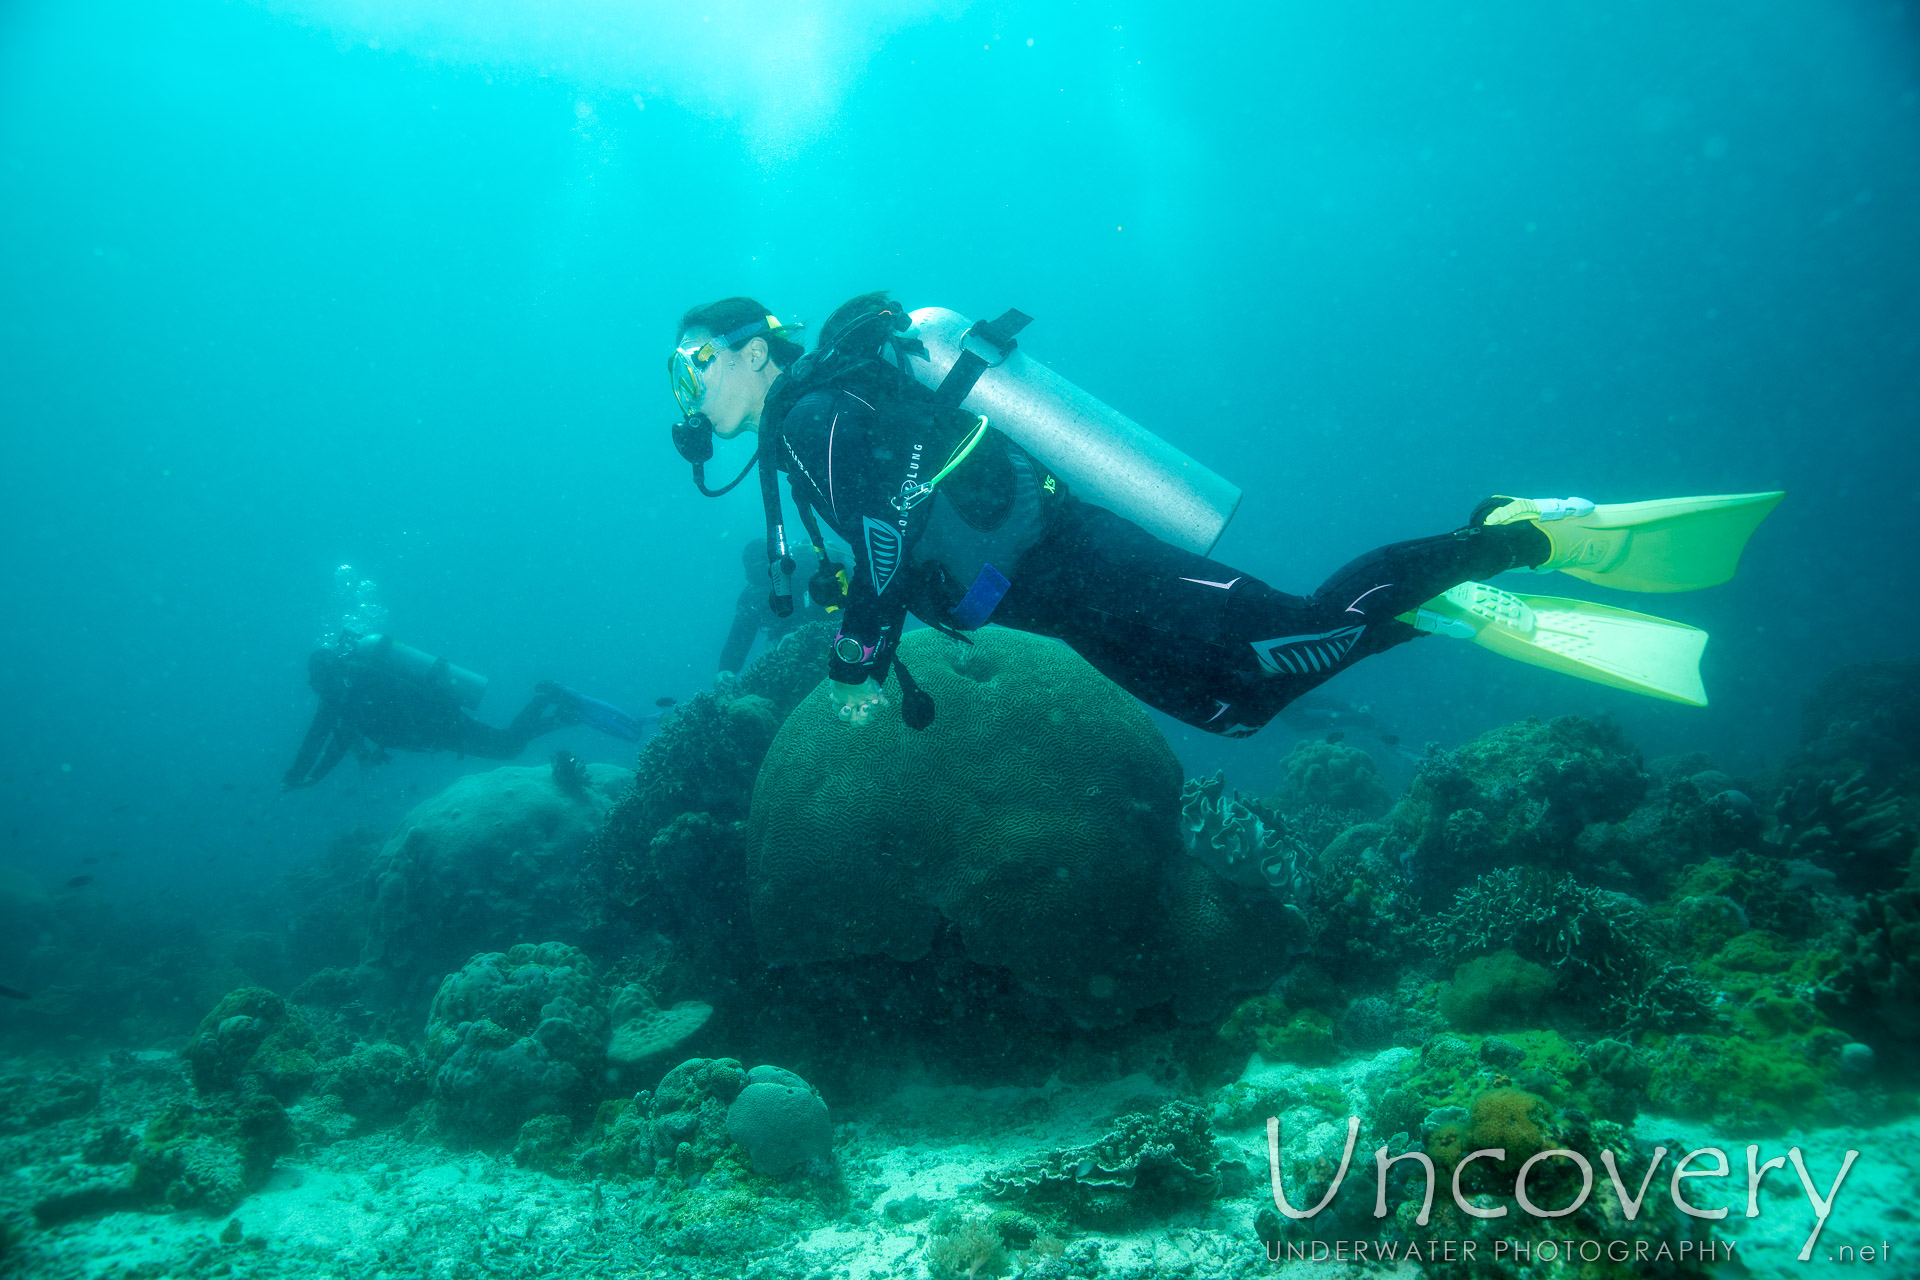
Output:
x,y
1596,642
1669,544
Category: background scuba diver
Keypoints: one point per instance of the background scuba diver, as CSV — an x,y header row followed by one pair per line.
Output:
x,y
952,520
377,695
753,613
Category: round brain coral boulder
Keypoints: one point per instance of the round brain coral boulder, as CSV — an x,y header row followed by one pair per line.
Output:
x,y
1038,815
494,858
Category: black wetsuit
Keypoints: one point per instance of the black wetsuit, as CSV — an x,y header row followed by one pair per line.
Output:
x,y
1203,642
364,708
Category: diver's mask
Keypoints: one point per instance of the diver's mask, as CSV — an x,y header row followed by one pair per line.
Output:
x,y
687,366
686,378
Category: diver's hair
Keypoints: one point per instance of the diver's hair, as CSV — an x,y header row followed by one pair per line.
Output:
x,y
729,314
851,310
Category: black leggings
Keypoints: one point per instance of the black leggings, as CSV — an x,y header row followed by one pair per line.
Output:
x,y
1214,647
470,737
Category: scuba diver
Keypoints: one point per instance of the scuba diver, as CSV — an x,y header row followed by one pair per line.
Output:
x,y
752,613
377,694
883,431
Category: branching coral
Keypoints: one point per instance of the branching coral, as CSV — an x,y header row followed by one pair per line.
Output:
x,y
1876,993
967,1251
1847,827
1600,943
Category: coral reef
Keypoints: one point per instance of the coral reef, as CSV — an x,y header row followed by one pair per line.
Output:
x,y
642,1029
514,1035
1691,812
209,1156
252,1033
1602,946
688,1115
1517,795
1494,991
1038,815
375,1083
966,1250
1148,1165
1265,1025
1844,826
1867,714
703,760
1365,918
1876,991
707,1110
496,857
1332,776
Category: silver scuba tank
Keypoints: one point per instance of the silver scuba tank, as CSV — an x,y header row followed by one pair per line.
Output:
x,y
1105,457
465,687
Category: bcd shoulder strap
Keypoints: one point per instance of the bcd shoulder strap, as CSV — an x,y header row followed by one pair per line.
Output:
x,y
969,366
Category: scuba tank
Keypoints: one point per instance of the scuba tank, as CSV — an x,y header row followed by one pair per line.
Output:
x,y
464,687
1105,457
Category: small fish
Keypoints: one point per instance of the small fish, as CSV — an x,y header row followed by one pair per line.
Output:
x,y
79,882
226,786
1391,739
88,861
664,702
14,993
1338,735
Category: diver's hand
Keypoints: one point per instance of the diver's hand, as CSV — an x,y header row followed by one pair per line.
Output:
x,y
856,703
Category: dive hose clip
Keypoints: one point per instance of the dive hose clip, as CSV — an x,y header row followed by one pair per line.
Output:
x,y
912,495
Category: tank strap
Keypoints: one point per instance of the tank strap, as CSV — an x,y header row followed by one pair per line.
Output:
x,y
967,369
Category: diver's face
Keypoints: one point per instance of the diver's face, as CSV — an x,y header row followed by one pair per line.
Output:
x,y
734,391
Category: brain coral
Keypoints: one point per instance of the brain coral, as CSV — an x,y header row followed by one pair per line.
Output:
x,y
1038,815
494,858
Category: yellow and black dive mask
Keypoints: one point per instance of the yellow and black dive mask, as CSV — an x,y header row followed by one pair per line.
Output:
x,y
687,366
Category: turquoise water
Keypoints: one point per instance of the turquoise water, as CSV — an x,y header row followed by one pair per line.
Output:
x,y
296,285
